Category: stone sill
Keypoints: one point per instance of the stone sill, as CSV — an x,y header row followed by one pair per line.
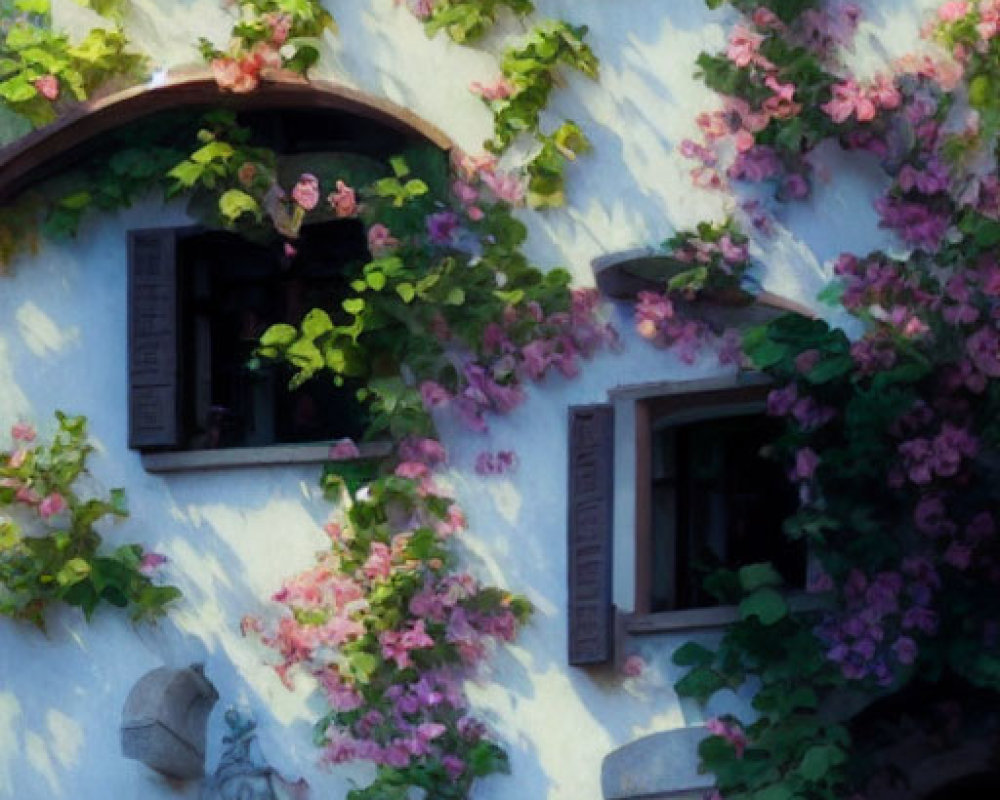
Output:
x,y
241,457
712,618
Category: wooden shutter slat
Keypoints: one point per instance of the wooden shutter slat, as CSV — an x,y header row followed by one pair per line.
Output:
x,y
591,504
153,342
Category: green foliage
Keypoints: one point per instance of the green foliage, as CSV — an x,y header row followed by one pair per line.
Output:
x,y
40,68
467,21
59,558
532,69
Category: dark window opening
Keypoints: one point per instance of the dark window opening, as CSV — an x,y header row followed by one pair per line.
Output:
x,y
717,502
230,291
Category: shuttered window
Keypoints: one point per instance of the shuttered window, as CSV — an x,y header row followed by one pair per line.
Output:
x,y
591,487
153,330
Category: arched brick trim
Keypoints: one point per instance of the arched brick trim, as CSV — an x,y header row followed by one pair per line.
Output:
x,y
22,160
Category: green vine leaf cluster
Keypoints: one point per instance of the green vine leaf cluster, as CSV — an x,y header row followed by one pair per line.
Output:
x,y
532,69
50,550
468,21
40,69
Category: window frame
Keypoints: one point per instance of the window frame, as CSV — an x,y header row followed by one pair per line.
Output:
x,y
157,458
636,407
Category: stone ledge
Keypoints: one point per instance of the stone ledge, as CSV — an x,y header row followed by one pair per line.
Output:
x,y
238,457
657,767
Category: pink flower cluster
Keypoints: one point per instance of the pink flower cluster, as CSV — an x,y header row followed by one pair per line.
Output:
x,y
526,344
384,589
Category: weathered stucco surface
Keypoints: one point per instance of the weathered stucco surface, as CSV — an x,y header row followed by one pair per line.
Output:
x,y
232,535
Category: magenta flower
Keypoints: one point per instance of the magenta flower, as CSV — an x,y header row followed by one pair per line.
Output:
x,y
905,649
507,187
434,395
380,239
306,191
806,462
633,666
23,431
499,89
441,227
52,504
344,450
150,562
953,10
47,86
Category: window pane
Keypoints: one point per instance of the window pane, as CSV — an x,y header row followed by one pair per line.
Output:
x,y
232,290
717,503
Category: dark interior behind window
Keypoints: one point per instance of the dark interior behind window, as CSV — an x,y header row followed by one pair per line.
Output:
x,y
717,502
231,291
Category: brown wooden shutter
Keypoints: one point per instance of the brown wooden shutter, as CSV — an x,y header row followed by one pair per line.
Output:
x,y
591,487
152,323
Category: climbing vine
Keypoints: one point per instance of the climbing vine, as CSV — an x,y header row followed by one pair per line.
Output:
x,y
891,436
40,67
50,550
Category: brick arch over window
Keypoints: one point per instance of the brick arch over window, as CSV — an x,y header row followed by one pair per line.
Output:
x,y
31,158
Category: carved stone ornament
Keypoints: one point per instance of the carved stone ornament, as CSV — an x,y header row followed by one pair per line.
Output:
x,y
165,721
243,774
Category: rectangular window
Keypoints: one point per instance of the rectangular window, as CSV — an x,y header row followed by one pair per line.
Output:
x,y
708,497
219,293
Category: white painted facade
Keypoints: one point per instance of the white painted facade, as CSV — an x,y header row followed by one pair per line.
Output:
x,y
232,535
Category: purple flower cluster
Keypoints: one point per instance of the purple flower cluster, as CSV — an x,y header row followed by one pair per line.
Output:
x,y
874,634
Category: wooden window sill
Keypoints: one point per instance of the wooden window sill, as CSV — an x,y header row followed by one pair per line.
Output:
x,y
712,618
240,457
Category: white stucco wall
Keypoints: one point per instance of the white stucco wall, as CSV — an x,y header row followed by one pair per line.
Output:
x,y
233,535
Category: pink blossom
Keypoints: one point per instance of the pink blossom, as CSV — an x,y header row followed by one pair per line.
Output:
x,y
953,10
506,186
434,395
380,239
17,458
150,562
731,732
47,86
633,666
53,504
454,766
280,25
344,450
290,250
499,89
849,98
23,431
379,563
306,191
343,201
743,47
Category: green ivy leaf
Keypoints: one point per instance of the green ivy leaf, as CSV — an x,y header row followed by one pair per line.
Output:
x,y
280,335
700,683
819,760
406,292
756,576
765,604
693,654
354,305
316,323
235,203
73,571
